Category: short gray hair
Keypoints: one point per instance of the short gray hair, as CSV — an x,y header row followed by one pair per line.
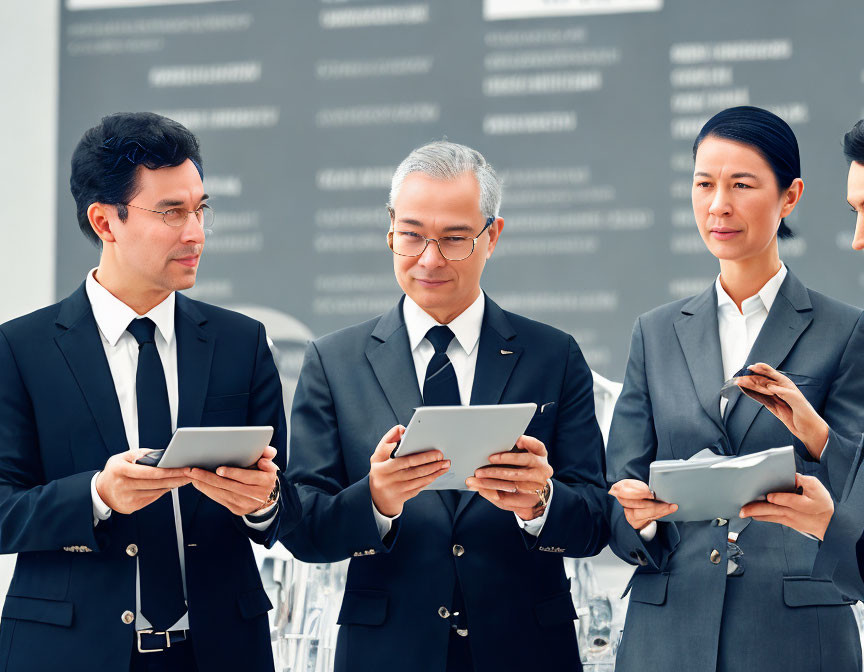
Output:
x,y
445,160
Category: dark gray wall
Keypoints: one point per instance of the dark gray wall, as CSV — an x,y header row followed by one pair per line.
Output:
x,y
304,107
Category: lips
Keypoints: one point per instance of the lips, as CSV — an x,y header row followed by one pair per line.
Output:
x,y
723,233
429,282
190,262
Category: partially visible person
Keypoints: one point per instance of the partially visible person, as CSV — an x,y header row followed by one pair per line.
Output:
x,y
726,595
447,581
123,566
814,512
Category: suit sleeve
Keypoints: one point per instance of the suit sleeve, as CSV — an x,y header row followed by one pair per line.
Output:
x,y
577,519
841,554
266,407
36,514
632,448
338,520
844,413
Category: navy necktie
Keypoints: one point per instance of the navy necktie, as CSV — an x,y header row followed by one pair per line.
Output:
x,y
162,601
440,388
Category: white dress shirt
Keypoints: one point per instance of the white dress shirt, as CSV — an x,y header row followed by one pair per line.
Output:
x,y
462,353
121,349
739,330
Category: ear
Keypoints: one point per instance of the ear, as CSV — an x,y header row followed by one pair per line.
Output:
x,y
792,196
494,233
99,215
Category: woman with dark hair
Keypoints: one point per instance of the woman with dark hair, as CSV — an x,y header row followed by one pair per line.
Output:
x,y
724,594
841,556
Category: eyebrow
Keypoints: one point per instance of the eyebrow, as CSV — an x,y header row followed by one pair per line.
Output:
x,y
734,176
173,203
453,228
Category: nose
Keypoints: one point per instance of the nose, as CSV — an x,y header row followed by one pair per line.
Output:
x,y
193,230
720,203
431,256
858,241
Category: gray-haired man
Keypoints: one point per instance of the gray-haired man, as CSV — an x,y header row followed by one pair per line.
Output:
x,y
442,580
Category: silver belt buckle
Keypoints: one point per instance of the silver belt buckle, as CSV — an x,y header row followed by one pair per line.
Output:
x,y
150,632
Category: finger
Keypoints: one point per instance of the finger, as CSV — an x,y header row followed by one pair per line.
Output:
x,y
421,471
510,474
269,453
233,501
792,501
518,500
811,486
387,444
416,485
474,483
166,484
247,476
228,485
631,491
140,471
267,465
754,509
516,459
531,444
780,520
639,503
415,460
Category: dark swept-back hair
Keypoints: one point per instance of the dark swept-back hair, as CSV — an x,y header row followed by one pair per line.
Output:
x,y
765,132
853,143
106,160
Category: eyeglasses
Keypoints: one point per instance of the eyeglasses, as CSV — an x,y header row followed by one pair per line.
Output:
x,y
175,217
412,244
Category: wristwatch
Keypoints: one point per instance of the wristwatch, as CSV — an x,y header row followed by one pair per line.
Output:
x,y
272,498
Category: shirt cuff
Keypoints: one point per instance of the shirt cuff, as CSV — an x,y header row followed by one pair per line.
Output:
x,y
535,526
827,441
262,525
383,522
649,531
101,511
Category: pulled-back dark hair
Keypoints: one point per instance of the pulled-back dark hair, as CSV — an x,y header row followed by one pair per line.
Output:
x,y
106,160
765,132
853,143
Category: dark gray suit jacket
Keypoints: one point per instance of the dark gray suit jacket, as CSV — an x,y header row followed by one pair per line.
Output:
x,y
354,386
684,613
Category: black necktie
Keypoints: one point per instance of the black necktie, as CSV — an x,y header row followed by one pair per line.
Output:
x,y
440,387
162,600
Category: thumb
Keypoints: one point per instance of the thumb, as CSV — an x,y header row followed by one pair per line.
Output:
x,y
387,443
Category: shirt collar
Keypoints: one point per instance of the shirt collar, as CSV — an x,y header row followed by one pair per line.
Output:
x,y
113,316
465,327
764,297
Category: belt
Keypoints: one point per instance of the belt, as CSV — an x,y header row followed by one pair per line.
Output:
x,y
153,642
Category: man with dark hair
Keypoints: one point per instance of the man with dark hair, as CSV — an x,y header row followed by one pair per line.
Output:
x,y
121,565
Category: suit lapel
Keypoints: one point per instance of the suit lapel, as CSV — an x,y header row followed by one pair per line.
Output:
x,y
389,355
194,359
497,355
82,348
788,319
698,334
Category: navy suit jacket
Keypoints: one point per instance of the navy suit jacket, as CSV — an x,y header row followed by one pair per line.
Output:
x,y
684,612
354,386
59,423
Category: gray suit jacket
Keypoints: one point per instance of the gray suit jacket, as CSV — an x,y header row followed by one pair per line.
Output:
x,y
684,612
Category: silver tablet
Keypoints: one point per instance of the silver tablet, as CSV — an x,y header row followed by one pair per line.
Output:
x,y
212,447
466,435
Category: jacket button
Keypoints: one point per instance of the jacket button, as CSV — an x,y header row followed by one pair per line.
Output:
x,y
127,617
443,612
131,550
462,632
720,522
716,557
458,550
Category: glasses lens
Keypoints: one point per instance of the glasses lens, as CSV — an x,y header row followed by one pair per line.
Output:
x,y
205,217
175,217
456,248
408,243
